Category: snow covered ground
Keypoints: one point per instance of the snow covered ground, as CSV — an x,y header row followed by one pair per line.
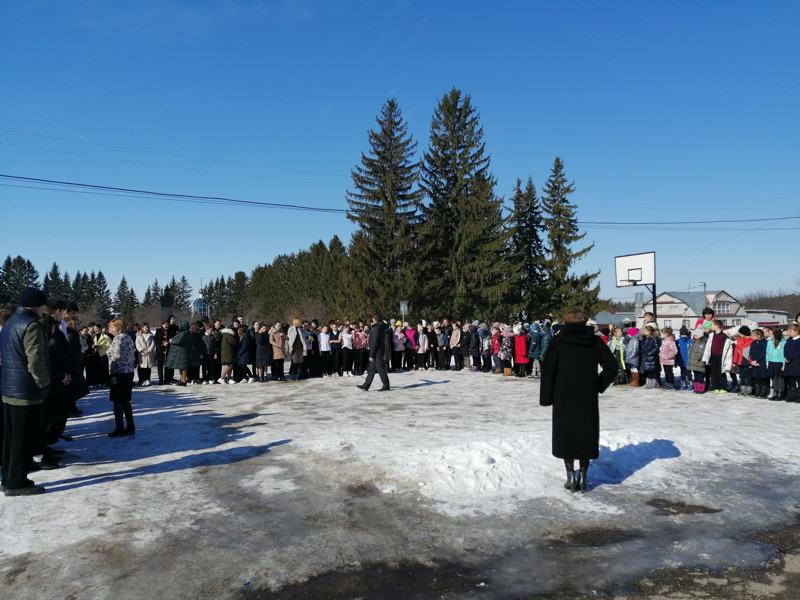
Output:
x,y
230,491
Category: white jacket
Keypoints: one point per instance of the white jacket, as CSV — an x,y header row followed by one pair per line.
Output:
x,y
727,352
144,342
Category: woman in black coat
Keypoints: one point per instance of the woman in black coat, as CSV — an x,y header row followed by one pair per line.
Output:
x,y
246,356
263,353
571,385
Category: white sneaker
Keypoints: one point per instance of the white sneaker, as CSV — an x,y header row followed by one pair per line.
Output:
x,y
252,380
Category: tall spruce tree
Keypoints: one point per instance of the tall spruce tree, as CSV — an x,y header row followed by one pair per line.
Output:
x,y
53,284
155,293
384,203
462,236
101,295
123,304
183,294
525,258
15,275
565,289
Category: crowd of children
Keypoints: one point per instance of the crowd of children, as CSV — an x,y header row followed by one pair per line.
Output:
x,y
763,363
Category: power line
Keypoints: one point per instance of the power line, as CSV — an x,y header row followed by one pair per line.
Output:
x,y
131,192
219,160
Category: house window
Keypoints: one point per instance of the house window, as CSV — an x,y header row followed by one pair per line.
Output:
x,y
737,322
667,322
724,324
722,307
685,323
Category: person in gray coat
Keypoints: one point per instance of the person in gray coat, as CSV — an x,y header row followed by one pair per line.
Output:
x,y
180,348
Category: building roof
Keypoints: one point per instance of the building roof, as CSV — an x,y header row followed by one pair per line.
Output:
x,y
696,301
616,318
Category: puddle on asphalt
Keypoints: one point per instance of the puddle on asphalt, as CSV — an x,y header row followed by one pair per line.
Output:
x,y
555,552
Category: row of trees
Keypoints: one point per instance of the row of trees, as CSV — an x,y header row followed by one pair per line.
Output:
x,y
90,290
434,232
431,230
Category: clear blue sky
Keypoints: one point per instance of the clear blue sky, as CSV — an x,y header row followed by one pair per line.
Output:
x,y
661,111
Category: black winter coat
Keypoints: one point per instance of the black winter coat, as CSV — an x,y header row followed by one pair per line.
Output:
x,y
263,350
571,385
247,350
649,349
474,341
56,404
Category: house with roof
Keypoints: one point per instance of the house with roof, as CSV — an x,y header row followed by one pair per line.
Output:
x,y
765,317
612,319
683,309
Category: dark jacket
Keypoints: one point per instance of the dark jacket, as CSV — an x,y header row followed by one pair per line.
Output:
x,y
180,349
758,353
649,349
56,403
78,388
211,344
263,350
197,350
17,381
160,336
791,352
377,340
247,350
571,385
474,341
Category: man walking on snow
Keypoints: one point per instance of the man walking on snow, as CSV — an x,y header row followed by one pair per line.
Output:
x,y
376,345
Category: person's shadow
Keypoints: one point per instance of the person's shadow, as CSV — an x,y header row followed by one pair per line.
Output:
x,y
183,430
615,466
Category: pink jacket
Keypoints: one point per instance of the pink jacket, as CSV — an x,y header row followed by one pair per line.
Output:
x,y
669,349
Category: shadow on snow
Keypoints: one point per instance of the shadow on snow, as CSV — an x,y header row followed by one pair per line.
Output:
x,y
615,466
166,424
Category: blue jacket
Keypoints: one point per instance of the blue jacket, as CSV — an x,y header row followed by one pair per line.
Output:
x,y
633,355
649,354
474,341
775,354
684,343
791,352
17,382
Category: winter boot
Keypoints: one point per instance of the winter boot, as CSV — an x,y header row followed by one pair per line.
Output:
x,y
699,388
634,380
735,389
507,372
582,480
570,484
772,394
794,395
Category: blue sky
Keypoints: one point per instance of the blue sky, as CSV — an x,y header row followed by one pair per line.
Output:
x,y
662,112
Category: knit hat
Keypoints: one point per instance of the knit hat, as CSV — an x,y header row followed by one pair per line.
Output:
x,y
31,297
483,326
684,331
518,329
633,331
744,330
476,322
605,331
699,332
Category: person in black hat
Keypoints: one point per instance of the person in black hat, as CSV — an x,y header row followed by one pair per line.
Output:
x,y
26,381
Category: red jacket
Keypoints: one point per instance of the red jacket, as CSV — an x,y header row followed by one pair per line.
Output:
x,y
739,357
520,350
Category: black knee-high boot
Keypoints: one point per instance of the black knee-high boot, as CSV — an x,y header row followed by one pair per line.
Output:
x,y
128,410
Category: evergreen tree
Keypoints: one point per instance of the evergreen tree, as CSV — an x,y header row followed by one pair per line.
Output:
x,y
384,203
147,299
462,235
183,294
121,304
155,294
53,285
66,286
565,290
525,258
102,295
15,275
237,290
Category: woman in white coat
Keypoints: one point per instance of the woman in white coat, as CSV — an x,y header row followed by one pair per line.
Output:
x,y
145,354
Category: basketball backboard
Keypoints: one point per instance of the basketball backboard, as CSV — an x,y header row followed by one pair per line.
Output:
x,y
635,269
